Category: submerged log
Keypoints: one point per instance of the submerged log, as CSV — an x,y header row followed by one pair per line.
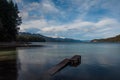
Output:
x,y
58,67
74,61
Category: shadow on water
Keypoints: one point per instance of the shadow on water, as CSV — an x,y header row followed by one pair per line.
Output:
x,y
8,64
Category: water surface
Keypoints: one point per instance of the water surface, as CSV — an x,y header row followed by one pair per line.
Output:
x,y
99,61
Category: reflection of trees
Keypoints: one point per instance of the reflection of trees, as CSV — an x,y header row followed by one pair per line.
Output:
x,y
8,65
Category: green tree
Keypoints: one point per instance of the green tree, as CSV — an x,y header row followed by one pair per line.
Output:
x,y
9,19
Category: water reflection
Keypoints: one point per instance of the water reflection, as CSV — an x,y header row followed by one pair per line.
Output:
x,y
8,64
89,72
99,62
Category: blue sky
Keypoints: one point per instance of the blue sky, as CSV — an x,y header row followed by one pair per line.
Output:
x,y
77,19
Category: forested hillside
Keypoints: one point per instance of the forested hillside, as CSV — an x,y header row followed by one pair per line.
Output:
x,y
111,39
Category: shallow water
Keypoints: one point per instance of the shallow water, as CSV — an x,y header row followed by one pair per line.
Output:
x,y
99,61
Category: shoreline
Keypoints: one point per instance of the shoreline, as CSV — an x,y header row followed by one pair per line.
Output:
x,y
17,44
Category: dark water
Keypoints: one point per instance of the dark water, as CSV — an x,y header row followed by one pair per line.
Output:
x,y
99,61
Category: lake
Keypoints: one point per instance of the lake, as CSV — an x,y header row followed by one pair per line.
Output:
x,y
99,61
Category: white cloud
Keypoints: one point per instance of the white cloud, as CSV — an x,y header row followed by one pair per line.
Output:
x,y
102,28
33,6
41,9
53,29
24,14
83,6
18,1
33,24
48,6
83,25
107,22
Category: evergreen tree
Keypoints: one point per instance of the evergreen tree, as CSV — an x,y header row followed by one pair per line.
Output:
x,y
9,19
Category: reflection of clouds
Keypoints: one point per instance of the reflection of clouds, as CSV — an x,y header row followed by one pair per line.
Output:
x,y
33,63
102,54
31,56
89,72
108,60
99,61
84,72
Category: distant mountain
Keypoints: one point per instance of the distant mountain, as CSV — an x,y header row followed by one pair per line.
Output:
x,y
49,39
86,41
28,37
111,39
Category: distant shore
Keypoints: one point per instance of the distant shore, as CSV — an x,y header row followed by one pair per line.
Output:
x,y
17,44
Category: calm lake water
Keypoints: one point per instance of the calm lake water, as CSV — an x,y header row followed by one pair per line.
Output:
x,y
99,61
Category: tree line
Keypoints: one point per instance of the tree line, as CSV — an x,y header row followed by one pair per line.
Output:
x,y
9,21
29,37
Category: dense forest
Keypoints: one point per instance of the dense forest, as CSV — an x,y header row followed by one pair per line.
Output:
x,y
28,37
111,39
9,21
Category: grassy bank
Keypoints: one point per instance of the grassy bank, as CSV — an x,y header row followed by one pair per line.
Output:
x,y
7,55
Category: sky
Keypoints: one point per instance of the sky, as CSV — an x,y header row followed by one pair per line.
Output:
x,y
77,19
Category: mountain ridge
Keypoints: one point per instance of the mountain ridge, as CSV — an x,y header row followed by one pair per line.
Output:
x,y
29,37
